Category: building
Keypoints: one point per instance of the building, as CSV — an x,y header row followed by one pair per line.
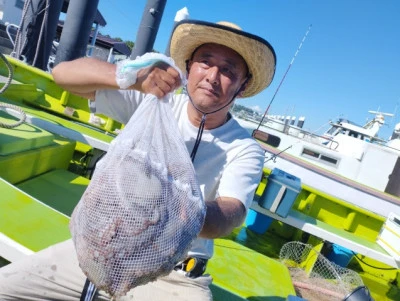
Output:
x,y
104,48
10,11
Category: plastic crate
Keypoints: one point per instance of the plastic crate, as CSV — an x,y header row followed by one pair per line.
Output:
x,y
280,193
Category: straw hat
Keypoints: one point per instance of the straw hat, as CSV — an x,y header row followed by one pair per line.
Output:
x,y
257,52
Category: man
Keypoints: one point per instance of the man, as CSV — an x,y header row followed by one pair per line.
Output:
x,y
222,63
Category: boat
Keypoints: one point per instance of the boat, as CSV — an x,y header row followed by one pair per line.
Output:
x,y
349,161
349,165
50,143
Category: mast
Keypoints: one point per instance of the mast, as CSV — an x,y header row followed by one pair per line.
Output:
x,y
148,28
77,27
37,31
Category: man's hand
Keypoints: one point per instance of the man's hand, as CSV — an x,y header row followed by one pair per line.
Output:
x,y
159,80
84,76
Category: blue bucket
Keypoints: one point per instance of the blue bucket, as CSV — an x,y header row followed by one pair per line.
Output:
x,y
340,255
257,222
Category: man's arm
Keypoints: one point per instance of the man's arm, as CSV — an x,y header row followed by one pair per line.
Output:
x,y
84,76
222,216
239,180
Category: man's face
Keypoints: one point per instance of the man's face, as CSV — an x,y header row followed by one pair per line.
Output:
x,y
216,73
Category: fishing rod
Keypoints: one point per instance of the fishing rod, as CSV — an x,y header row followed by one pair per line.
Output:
x,y
274,156
284,76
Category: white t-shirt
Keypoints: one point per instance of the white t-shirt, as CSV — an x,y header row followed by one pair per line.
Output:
x,y
228,161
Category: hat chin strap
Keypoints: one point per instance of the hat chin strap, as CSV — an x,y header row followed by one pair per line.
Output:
x,y
203,119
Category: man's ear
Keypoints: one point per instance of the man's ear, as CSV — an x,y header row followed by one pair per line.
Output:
x,y
188,65
240,95
242,89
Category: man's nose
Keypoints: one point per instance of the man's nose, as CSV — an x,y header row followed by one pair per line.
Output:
x,y
213,75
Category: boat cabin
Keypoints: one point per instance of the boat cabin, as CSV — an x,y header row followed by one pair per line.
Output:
x,y
348,128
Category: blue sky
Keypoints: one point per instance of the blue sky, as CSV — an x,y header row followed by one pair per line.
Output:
x,y
349,63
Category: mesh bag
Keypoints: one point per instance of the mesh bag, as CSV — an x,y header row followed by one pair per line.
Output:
x,y
314,276
143,207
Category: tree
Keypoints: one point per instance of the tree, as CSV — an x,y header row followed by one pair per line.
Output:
x,y
130,44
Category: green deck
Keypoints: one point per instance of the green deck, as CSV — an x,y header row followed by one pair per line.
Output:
x,y
59,189
28,221
40,223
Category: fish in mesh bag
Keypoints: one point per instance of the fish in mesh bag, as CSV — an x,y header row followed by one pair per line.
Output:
x,y
143,207
314,276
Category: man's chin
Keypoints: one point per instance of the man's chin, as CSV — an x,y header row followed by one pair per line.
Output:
x,y
206,100
210,99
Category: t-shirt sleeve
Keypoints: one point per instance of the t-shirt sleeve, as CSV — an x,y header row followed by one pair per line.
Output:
x,y
242,175
118,104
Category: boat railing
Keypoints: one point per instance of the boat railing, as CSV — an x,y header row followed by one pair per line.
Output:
x,y
311,137
10,27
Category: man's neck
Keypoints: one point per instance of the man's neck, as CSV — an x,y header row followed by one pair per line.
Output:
x,y
213,120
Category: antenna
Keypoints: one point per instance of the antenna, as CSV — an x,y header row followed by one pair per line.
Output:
x,y
284,76
381,113
394,114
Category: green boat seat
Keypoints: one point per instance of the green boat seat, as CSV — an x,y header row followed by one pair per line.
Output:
x,y
22,147
27,92
240,273
46,95
25,165
22,138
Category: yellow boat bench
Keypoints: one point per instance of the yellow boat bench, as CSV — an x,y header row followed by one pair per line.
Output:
x,y
28,151
331,234
46,95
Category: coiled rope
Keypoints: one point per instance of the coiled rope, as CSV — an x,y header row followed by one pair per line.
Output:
x,y
10,106
19,44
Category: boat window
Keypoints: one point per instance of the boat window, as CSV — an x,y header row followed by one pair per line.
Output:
x,y
328,159
308,153
353,134
332,130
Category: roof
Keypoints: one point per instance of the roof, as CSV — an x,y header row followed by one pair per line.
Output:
x,y
102,41
107,42
98,19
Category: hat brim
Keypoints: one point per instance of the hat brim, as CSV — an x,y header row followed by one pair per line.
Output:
x,y
257,53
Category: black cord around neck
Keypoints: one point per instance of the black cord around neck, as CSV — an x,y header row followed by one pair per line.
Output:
x,y
203,120
198,138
